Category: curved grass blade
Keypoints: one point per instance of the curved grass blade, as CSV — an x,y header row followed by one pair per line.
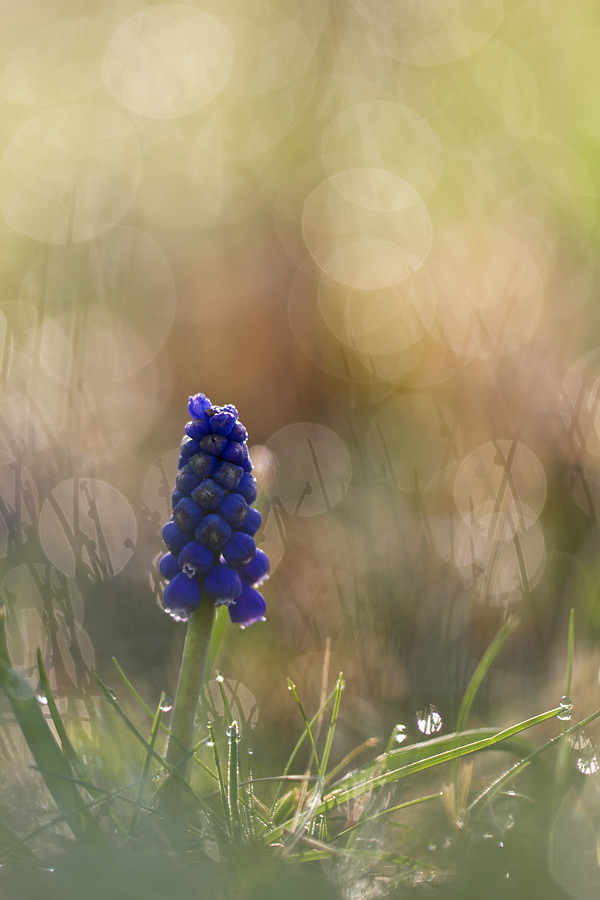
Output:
x,y
42,744
67,746
390,809
435,760
339,795
482,669
164,727
477,678
487,795
176,775
64,817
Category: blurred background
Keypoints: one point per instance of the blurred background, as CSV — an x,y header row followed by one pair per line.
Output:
x,y
371,226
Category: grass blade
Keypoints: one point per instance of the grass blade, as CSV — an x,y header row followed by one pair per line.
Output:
x,y
170,769
308,729
482,669
164,727
68,748
218,633
560,774
220,679
485,797
232,781
331,731
222,785
42,744
297,749
147,762
341,795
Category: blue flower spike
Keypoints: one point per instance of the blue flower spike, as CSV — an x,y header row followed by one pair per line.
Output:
x,y
213,556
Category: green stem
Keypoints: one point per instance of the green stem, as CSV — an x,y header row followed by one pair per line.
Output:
x,y
189,687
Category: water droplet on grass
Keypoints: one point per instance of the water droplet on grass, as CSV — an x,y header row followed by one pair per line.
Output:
x,y
40,695
566,708
220,678
399,734
588,763
166,705
579,741
429,720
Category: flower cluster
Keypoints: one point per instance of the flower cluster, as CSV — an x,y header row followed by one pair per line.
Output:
x,y
210,536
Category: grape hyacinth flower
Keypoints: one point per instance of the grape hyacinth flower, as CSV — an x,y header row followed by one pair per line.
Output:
x,y
213,556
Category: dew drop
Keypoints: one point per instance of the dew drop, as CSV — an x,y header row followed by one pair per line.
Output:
x,y
112,693
40,695
399,734
579,741
220,678
250,751
429,720
588,763
166,705
566,708
210,743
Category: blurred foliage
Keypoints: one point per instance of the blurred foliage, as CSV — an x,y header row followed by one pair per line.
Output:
x,y
372,227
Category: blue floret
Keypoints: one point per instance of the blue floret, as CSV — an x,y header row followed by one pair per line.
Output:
x,y
256,571
187,514
239,549
174,537
222,584
234,510
252,523
213,531
195,559
197,428
182,595
168,566
198,404
248,608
